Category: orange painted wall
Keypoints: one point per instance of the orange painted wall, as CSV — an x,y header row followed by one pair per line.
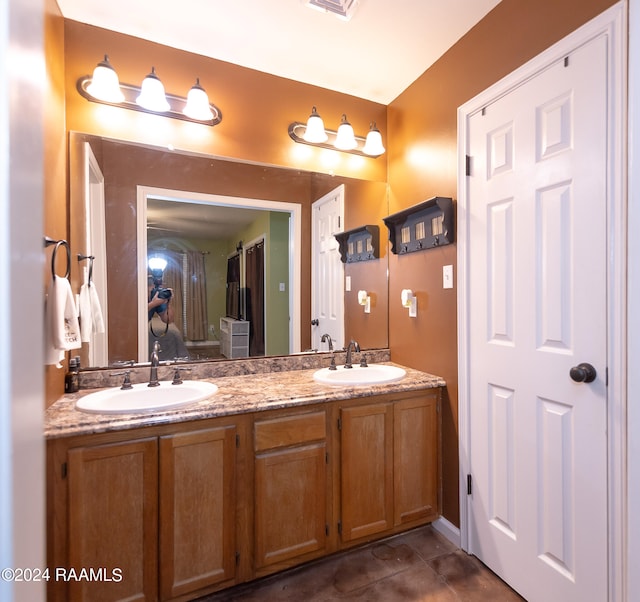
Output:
x,y
422,156
256,108
55,164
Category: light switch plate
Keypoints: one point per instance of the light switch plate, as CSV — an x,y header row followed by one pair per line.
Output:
x,y
447,276
282,287
347,283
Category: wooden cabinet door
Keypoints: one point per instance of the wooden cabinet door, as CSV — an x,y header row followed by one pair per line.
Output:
x,y
113,520
416,459
290,490
290,504
366,440
197,509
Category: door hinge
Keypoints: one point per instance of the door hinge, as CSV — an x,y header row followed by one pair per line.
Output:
x,y
340,527
326,530
237,558
469,487
338,222
326,457
467,167
237,440
339,424
566,61
64,470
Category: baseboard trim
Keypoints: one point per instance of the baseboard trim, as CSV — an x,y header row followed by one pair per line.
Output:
x,y
448,529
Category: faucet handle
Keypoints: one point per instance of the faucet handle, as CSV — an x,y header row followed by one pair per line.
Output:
x,y
363,361
126,383
177,375
121,363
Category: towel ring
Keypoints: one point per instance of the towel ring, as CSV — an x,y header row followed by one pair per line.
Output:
x,y
90,258
58,243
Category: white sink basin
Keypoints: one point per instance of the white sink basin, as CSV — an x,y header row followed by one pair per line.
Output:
x,y
374,374
142,398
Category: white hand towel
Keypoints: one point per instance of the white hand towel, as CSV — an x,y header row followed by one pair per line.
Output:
x,y
61,321
84,308
96,310
91,320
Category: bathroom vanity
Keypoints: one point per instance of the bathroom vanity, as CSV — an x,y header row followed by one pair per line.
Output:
x,y
272,471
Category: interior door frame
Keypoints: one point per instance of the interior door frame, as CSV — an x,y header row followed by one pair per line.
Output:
x,y
95,238
295,259
339,192
613,24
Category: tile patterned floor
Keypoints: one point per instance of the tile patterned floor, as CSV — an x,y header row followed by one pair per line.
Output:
x,y
418,566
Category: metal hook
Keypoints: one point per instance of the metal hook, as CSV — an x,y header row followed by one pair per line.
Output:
x,y
90,258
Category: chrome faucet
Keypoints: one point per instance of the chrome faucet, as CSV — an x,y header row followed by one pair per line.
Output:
x,y
155,362
352,345
327,339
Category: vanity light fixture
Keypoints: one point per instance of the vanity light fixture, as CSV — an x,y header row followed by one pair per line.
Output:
x,y
198,106
104,84
344,139
373,144
314,132
104,87
410,301
152,95
364,299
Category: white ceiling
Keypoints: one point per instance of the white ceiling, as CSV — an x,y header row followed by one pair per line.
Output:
x,y
377,54
169,219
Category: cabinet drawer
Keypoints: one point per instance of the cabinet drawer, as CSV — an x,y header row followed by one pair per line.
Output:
x,y
290,430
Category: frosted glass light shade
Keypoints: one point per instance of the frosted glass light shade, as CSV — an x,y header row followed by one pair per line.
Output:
x,y
315,132
152,96
104,83
197,106
345,139
373,144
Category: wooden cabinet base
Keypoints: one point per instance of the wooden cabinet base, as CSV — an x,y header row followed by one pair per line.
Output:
x,y
177,511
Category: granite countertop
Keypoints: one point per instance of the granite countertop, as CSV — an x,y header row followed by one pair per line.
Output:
x,y
235,395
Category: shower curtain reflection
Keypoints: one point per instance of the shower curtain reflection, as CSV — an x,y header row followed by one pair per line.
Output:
x,y
172,278
196,297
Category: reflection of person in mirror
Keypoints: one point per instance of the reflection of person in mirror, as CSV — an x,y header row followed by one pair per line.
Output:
x,y
161,326
158,301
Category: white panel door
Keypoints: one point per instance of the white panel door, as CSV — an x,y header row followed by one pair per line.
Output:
x,y
327,280
537,289
97,247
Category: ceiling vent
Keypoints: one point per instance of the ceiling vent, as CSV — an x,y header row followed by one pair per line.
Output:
x,y
343,9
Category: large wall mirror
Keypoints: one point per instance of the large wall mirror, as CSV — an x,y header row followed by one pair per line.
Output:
x,y
130,202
